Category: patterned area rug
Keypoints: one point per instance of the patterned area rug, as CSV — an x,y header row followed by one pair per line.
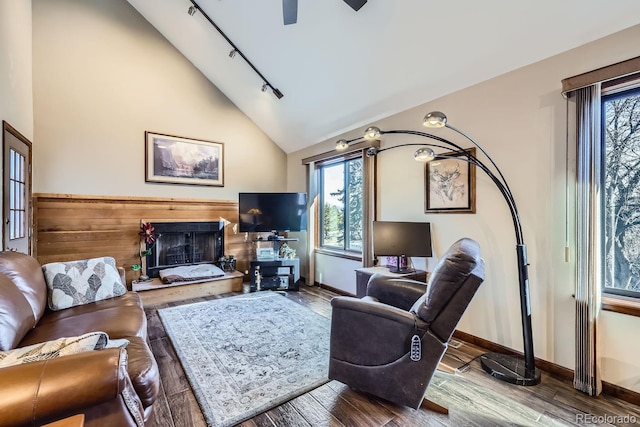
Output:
x,y
246,354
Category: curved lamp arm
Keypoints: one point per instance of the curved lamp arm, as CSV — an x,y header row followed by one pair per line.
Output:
x,y
504,190
437,119
483,152
499,182
459,148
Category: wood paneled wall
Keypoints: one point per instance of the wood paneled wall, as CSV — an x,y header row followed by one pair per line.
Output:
x,y
70,227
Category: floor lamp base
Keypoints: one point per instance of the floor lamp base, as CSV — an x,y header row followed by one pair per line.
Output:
x,y
508,368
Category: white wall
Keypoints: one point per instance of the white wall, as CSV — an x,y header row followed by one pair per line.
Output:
x,y
519,118
337,272
618,347
102,76
16,95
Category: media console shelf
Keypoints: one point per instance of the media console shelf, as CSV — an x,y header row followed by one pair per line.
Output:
x,y
274,273
276,242
277,274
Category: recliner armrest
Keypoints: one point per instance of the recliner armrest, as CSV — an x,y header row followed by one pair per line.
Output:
x,y
374,308
358,325
37,392
395,291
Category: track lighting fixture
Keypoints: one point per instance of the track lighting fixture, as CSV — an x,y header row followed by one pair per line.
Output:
x,y
235,51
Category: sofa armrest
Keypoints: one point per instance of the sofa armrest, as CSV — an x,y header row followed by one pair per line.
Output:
x,y
38,392
395,291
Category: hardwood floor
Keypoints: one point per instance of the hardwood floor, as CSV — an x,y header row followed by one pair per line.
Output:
x,y
473,397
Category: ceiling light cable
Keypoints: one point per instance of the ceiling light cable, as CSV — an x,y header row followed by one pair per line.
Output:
x,y
192,10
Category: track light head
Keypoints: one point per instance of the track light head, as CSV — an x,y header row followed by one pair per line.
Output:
x,y
277,93
192,10
233,53
264,87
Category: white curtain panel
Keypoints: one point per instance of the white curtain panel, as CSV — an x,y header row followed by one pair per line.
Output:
x,y
312,205
588,169
368,208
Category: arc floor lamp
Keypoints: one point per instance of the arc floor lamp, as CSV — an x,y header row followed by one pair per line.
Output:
x,y
508,368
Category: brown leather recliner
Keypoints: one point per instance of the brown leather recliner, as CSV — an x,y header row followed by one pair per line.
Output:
x,y
111,387
371,337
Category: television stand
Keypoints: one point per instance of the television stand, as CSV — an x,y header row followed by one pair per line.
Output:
x,y
280,274
276,243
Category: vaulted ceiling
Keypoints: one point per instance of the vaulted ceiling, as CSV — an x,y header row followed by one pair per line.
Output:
x,y
339,69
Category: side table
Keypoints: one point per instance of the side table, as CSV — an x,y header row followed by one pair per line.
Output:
x,y
363,275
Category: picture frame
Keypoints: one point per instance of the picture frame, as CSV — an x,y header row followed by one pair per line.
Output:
x,y
176,160
450,183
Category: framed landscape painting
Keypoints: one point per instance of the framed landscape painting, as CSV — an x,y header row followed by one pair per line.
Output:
x,y
450,184
176,160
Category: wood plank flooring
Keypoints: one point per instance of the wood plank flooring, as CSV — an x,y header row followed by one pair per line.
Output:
x,y
473,397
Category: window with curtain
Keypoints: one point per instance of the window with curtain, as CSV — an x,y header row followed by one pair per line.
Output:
x,y
341,205
621,183
607,194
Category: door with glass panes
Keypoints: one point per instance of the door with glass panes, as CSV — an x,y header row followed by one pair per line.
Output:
x,y
16,191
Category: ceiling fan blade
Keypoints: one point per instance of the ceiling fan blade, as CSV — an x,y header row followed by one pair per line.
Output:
x,y
355,4
290,11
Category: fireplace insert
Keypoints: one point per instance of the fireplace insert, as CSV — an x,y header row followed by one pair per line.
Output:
x,y
185,243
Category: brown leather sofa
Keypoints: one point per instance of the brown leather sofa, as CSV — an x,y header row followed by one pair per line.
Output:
x,y
111,387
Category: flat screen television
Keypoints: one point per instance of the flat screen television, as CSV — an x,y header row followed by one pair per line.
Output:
x,y
401,239
272,212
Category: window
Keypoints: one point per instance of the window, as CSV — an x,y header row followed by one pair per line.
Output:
x,y
621,204
17,195
341,198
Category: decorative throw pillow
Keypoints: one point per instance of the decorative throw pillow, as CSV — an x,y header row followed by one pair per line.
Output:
x,y
81,282
60,347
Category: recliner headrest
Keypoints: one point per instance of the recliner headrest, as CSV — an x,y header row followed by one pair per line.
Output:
x,y
454,267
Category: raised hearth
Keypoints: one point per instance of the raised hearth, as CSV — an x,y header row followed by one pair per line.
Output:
x,y
156,292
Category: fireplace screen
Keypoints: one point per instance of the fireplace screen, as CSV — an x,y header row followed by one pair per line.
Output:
x,y
185,243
